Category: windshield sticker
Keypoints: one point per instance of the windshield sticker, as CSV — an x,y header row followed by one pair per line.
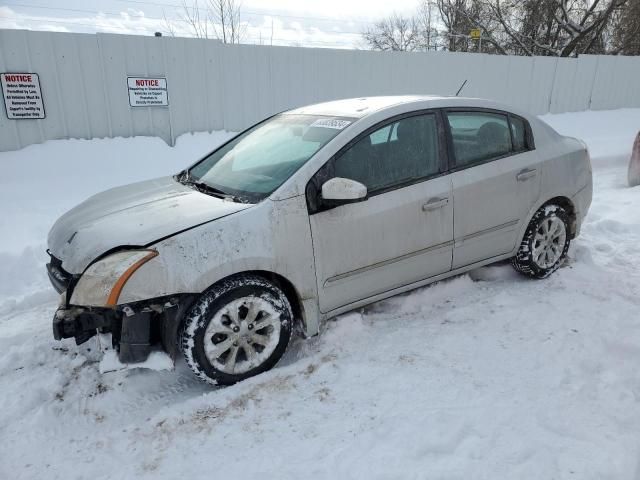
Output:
x,y
331,123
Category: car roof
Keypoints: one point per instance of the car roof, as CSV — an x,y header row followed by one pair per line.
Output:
x,y
357,107
362,107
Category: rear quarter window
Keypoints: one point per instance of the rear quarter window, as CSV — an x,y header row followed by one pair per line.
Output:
x,y
518,134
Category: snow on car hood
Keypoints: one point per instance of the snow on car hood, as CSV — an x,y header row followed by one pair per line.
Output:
x,y
132,215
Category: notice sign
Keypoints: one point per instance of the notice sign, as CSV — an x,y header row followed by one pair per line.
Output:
x,y
148,92
22,96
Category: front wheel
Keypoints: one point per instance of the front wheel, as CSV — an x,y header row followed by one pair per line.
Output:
x,y
545,244
237,329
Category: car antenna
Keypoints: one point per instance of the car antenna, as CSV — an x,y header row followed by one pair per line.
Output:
x,y
461,87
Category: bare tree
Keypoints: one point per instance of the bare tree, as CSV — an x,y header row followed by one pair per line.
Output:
x,y
554,27
521,27
454,17
211,19
623,33
197,23
169,25
459,17
225,19
427,25
395,33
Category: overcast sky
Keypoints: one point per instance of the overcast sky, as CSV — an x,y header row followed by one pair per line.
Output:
x,y
313,23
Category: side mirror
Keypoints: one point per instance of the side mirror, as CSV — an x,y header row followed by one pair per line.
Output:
x,y
338,191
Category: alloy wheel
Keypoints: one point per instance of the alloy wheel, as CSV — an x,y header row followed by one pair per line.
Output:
x,y
549,242
242,335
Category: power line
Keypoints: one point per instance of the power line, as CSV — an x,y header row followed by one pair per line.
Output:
x,y
82,24
75,10
242,12
119,15
98,12
150,30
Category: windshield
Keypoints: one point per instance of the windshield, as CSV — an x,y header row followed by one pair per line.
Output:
x,y
254,164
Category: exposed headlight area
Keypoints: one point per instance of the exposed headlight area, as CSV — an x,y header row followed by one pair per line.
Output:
x,y
101,284
94,307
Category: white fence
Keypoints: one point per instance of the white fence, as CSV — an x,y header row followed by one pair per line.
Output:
x,y
214,86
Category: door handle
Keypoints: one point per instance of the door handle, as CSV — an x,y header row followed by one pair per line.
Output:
x,y
526,174
434,204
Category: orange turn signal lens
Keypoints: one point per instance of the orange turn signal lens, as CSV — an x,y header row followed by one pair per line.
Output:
x,y
112,300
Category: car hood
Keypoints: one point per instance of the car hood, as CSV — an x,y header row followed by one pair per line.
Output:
x,y
133,215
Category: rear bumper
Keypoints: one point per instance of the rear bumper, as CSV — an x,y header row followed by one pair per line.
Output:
x,y
582,202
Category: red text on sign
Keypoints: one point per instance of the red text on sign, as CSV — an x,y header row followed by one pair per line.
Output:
x,y
17,78
143,82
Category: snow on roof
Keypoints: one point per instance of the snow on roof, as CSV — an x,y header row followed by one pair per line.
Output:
x,y
358,107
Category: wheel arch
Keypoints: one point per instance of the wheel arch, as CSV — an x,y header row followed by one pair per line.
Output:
x,y
300,313
289,290
560,200
568,205
523,258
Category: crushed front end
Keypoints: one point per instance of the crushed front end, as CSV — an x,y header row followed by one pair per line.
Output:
x,y
136,328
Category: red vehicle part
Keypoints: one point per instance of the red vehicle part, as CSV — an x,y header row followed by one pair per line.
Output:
x,y
634,164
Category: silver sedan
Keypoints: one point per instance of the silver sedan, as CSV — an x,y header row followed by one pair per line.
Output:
x,y
311,213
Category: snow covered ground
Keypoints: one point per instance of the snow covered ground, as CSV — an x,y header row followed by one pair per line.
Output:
x,y
485,376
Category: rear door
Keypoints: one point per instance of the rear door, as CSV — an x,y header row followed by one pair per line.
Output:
x,y
496,181
403,232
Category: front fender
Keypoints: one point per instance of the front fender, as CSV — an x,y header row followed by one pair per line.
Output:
x,y
274,237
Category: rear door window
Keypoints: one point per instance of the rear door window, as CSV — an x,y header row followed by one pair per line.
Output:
x,y
479,136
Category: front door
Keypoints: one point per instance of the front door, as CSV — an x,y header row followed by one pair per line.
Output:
x,y
403,232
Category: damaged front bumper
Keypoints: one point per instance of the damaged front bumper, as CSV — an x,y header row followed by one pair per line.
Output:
x,y
81,323
131,333
135,329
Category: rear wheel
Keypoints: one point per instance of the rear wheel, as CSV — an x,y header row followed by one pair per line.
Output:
x,y
545,243
237,329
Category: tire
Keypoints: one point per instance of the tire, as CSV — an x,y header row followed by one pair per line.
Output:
x,y
238,328
545,243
